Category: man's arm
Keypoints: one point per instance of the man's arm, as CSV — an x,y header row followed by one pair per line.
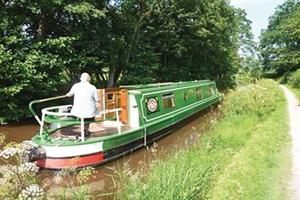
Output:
x,y
97,101
71,92
96,97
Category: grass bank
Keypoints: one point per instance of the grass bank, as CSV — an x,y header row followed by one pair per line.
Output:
x,y
296,91
245,155
292,81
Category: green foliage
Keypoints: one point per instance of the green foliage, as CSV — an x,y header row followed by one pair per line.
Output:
x,y
240,158
296,91
250,59
184,34
280,42
259,99
293,79
45,45
244,78
73,184
85,9
38,51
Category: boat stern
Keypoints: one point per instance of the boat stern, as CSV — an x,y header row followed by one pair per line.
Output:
x,y
77,155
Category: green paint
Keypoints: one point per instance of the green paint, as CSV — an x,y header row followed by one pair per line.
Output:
x,y
155,121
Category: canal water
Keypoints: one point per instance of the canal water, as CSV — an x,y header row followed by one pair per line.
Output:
x,y
104,180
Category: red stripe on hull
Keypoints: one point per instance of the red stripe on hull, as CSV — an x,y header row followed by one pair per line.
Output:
x,y
75,162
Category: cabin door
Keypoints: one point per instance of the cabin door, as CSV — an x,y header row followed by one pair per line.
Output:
x,y
113,98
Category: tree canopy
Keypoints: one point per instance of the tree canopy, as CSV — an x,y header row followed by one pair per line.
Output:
x,y
45,45
280,42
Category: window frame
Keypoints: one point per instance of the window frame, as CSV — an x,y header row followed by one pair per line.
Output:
x,y
168,97
198,94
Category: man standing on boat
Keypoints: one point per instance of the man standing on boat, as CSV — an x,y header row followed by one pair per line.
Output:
x,y
85,100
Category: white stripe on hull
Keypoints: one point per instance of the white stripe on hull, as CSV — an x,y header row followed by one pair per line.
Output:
x,y
72,151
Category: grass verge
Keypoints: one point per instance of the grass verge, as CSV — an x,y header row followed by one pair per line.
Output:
x,y
245,156
296,91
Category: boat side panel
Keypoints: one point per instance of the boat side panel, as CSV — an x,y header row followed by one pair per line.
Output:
x,y
184,98
157,125
175,118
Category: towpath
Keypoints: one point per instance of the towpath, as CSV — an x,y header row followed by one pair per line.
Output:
x,y
294,116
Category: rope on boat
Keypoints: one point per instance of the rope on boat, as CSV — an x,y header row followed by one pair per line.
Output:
x,y
145,136
145,130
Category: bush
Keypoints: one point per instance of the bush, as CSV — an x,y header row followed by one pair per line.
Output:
x,y
259,99
294,79
244,78
19,177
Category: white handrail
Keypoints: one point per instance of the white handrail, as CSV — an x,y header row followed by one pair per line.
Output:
x,y
49,111
116,111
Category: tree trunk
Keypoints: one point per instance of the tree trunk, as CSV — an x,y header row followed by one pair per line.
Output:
x,y
41,26
111,78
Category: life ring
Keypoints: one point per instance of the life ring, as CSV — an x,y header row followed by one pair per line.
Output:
x,y
152,105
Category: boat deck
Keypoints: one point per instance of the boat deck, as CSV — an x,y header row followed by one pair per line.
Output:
x,y
97,130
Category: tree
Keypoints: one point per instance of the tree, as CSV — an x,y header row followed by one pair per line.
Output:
x,y
250,58
37,50
45,45
279,45
194,39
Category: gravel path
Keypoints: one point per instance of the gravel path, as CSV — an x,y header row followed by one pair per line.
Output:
x,y
294,116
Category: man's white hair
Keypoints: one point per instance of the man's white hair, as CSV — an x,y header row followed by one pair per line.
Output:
x,y
85,77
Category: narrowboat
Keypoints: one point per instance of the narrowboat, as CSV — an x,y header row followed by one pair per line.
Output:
x,y
130,117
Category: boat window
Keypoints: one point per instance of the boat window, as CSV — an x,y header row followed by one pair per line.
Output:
x,y
185,96
211,90
110,97
198,94
168,100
